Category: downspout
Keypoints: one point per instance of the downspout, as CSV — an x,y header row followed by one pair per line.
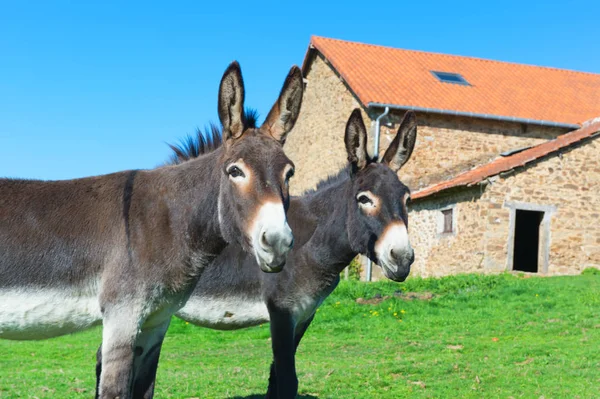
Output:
x,y
377,130
376,155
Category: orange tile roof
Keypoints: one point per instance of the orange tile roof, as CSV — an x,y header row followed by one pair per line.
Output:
x,y
517,160
385,75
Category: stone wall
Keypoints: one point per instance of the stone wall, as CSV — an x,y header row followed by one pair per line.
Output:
x,y
448,145
571,184
316,145
568,185
438,253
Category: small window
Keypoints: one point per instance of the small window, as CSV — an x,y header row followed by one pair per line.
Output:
x,y
448,227
449,77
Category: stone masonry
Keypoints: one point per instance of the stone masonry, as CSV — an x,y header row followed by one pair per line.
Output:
x,y
567,184
316,145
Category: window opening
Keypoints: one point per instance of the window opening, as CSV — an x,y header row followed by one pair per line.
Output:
x,y
450,77
448,227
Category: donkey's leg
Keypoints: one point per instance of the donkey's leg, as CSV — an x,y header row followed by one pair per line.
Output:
x,y
284,370
299,333
147,353
146,362
98,370
119,334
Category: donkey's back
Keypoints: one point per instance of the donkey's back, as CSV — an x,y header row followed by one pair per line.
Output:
x,y
55,239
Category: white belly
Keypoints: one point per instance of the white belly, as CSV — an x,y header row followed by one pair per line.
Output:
x,y
224,313
46,313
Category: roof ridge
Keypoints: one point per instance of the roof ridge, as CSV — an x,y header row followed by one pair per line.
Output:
x,y
474,58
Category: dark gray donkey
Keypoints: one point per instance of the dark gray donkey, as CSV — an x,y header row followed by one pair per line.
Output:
x,y
127,249
361,210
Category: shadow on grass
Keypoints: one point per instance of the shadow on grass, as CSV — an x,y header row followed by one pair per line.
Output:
x,y
262,397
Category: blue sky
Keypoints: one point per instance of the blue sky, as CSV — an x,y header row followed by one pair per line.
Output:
x,y
99,87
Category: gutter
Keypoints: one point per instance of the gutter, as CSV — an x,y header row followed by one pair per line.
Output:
x,y
475,115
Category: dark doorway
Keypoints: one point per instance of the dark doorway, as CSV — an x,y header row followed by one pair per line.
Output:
x,y
527,240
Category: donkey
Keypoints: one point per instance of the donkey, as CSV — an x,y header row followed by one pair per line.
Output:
x,y
361,210
126,249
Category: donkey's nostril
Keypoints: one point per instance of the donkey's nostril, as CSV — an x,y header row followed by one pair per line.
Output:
x,y
263,240
276,241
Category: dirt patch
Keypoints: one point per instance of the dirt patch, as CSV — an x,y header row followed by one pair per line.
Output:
x,y
372,301
525,362
419,383
407,296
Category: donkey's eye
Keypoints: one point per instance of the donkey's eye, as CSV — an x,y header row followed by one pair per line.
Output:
x,y
363,199
235,171
289,174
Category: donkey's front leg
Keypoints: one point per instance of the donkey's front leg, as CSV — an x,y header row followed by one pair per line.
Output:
x,y
98,370
146,360
283,383
119,335
147,353
299,333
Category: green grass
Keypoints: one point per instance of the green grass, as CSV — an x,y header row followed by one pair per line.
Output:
x,y
479,336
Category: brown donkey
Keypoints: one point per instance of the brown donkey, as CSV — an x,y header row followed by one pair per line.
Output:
x,y
126,249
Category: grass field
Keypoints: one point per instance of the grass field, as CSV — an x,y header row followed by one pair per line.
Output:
x,y
478,337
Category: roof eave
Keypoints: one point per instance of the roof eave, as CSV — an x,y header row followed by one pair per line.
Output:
x,y
307,58
314,48
475,115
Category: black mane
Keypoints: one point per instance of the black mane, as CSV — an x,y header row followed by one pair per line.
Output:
x,y
206,141
331,180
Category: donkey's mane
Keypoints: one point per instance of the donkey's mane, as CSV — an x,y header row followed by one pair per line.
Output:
x,y
205,141
331,180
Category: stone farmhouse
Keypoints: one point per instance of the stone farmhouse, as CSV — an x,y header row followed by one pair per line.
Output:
x,y
505,174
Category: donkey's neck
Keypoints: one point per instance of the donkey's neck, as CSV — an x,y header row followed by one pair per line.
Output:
x,y
329,246
192,192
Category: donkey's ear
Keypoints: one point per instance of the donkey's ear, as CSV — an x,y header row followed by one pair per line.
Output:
x,y
399,151
283,115
356,140
231,102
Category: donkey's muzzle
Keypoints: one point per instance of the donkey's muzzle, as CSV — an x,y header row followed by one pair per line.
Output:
x,y
398,266
272,237
275,246
394,252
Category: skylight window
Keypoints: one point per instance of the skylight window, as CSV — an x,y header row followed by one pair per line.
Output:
x,y
449,77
